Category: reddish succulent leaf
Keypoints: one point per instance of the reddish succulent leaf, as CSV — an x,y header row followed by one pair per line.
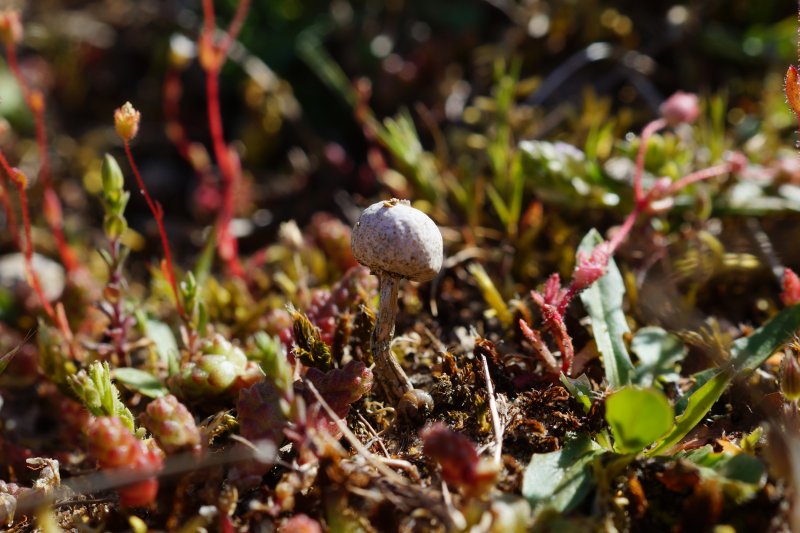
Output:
x,y
171,423
115,447
458,458
341,387
260,414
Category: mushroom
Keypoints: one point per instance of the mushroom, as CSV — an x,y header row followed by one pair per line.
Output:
x,y
396,241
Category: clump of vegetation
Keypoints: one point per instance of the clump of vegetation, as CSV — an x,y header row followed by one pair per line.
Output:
x,y
598,328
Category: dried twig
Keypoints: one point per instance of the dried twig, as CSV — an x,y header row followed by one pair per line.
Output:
x,y
496,425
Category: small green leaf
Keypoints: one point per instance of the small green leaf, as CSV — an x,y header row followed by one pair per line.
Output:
x,y
580,388
603,301
700,379
140,381
164,340
491,294
561,479
637,417
99,395
659,353
740,475
749,442
699,404
748,353
743,468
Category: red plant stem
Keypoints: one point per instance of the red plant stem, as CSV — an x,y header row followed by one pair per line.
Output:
x,y
648,131
11,216
234,27
158,213
33,276
627,226
36,105
228,248
209,18
170,96
699,175
26,221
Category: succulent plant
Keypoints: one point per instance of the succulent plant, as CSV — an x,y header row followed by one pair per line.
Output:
x,y
171,424
219,365
115,447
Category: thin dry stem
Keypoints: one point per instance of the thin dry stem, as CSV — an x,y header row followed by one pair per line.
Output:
x,y
497,427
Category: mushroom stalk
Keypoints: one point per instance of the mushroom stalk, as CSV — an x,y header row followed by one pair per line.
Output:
x,y
396,241
392,378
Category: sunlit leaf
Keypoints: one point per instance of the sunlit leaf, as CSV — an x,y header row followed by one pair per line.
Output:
x,y
140,381
659,353
561,479
603,301
698,405
749,353
637,418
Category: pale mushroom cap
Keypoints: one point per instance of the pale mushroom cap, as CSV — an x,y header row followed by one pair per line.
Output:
x,y
395,238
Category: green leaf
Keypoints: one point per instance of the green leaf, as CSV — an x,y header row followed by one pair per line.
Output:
x,y
743,468
637,417
140,381
740,475
700,379
561,479
749,353
749,442
491,294
603,301
580,388
98,394
499,204
659,353
699,404
165,344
